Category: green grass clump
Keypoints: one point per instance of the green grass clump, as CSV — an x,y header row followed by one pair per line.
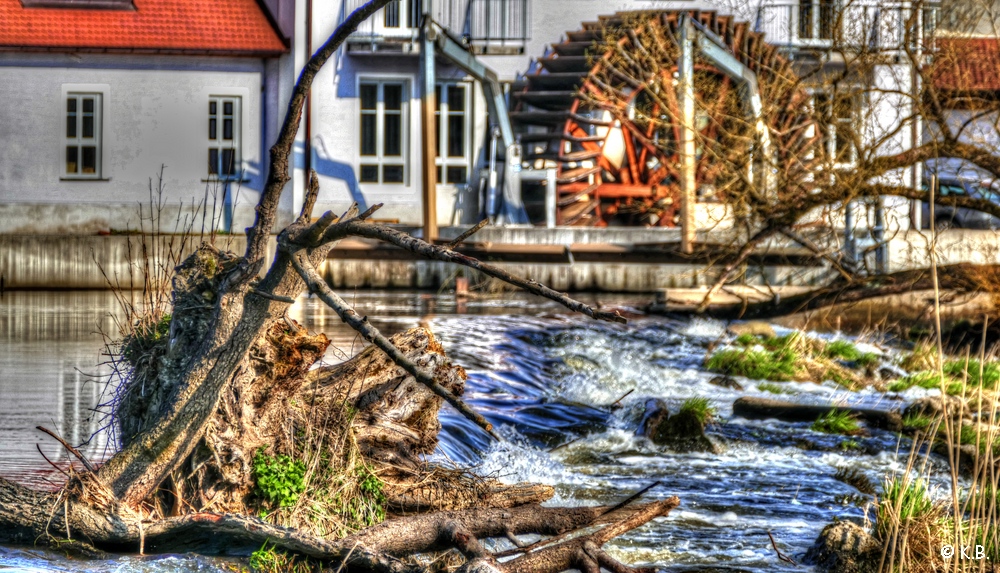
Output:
x,y
845,350
368,507
984,507
975,373
837,422
842,349
904,502
698,408
270,560
849,446
746,339
927,379
280,480
773,388
916,422
779,366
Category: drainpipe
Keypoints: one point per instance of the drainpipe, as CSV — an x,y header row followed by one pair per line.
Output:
x,y
429,137
307,115
687,134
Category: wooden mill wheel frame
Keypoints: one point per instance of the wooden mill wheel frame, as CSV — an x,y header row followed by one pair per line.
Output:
x,y
602,109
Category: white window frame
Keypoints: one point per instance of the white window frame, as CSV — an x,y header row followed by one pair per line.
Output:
x,y
379,159
442,112
219,143
403,10
78,142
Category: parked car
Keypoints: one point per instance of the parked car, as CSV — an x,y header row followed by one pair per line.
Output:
x,y
949,217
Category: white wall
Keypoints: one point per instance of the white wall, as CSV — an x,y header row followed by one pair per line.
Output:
x,y
154,113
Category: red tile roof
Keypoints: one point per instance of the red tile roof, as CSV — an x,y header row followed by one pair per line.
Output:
x,y
237,27
967,65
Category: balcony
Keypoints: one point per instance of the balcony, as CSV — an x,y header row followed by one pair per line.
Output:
x,y
828,24
486,26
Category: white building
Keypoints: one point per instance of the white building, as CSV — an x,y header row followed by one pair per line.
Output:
x,y
363,126
99,94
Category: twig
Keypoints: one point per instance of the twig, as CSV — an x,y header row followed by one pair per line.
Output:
x,y
86,463
468,233
274,297
317,286
556,538
625,395
781,555
425,249
39,448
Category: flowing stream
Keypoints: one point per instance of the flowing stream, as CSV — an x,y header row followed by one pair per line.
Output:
x,y
545,378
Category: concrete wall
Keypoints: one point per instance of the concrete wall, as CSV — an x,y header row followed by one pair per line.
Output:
x,y
154,112
89,262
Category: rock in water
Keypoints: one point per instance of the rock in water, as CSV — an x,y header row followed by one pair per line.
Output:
x,y
754,327
844,547
726,382
682,432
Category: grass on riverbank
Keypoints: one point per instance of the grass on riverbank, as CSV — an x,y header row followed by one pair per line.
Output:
x,y
794,357
837,422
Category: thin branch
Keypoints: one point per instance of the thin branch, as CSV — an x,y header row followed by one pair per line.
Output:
x,y
468,233
277,177
414,245
307,207
86,463
359,323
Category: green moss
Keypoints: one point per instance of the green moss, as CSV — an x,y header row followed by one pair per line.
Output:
x,y
837,422
699,408
747,339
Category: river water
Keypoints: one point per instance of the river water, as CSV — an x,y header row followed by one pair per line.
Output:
x,y
543,377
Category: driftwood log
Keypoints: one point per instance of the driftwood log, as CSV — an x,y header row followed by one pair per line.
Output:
x,y
233,383
763,408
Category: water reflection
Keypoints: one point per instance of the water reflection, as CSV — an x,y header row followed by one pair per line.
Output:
x,y
50,375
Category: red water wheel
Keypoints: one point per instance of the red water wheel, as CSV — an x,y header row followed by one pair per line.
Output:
x,y
602,109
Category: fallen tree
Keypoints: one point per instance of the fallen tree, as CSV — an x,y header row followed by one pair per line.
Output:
x,y
960,278
228,438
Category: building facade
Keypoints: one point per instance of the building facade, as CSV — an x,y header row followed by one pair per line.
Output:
x,y
112,105
108,93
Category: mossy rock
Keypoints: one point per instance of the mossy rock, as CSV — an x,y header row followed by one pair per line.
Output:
x,y
682,432
844,547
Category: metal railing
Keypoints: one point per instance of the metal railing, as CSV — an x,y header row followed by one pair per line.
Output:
x,y
482,23
824,23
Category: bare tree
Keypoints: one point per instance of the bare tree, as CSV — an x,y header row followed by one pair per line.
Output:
x,y
851,128
219,395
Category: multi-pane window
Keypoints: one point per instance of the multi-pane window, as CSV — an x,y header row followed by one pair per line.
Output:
x,y
452,115
838,116
402,14
383,132
83,135
224,137
816,19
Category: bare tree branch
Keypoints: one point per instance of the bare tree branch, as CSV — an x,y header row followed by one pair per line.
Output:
x,y
359,323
